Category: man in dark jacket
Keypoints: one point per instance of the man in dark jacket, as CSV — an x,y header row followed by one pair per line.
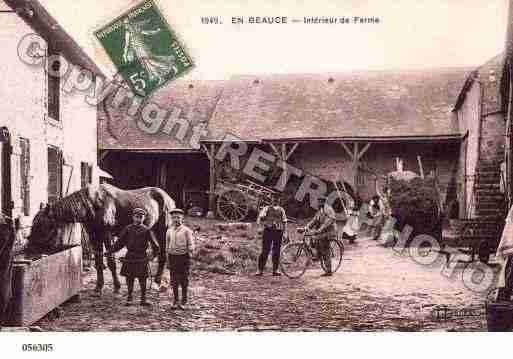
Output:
x,y
274,221
136,237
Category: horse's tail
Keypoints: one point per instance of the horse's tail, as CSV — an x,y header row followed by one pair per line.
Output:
x,y
166,203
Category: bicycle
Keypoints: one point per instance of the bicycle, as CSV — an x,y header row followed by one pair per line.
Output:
x,y
297,256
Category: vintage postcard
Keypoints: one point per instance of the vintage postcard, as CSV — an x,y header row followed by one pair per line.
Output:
x,y
241,166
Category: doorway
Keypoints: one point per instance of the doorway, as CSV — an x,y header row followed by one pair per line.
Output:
x,y
5,172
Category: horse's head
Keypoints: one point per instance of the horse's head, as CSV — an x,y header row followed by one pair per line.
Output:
x,y
43,233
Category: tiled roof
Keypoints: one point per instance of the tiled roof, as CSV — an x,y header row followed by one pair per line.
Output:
x,y
196,99
44,24
361,104
370,104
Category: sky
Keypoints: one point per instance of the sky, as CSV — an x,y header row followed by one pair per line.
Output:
x,y
411,34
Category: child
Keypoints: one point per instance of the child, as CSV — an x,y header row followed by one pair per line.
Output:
x,y
180,247
352,226
136,237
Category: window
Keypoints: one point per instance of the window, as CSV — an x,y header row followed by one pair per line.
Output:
x,y
55,163
53,85
86,174
25,175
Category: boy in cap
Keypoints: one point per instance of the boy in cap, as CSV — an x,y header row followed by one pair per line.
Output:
x,y
136,237
179,248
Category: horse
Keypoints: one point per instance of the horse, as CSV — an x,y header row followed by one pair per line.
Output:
x,y
103,210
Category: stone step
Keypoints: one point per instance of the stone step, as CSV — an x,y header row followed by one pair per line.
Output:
x,y
488,205
495,160
492,191
487,186
489,218
488,211
484,174
489,199
488,168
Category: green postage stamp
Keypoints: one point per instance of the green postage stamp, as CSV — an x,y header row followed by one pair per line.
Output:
x,y
143,48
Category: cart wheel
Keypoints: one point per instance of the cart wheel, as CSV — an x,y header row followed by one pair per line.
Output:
x,y
232,205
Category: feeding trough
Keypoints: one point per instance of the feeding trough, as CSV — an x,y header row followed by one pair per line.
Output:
x,y
40,285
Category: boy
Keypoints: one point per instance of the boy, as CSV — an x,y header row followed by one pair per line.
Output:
x,y
352,226
179,247
274,222
136,237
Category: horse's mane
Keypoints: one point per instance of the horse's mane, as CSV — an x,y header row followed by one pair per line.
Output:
x,y
77,207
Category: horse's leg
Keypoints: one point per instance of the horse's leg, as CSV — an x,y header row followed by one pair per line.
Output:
x,y
162,258
111,262
98,263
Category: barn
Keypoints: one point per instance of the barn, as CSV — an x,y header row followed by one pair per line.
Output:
x,y
350,128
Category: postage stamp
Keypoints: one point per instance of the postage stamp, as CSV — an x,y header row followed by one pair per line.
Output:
x,y
143,48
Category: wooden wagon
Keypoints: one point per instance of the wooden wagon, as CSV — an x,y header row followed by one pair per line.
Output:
x,y
236,200
477,238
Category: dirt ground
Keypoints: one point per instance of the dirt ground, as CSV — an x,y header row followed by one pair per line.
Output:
x,y
374,290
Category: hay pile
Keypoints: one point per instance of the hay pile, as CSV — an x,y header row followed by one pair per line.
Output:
x,y
226,250
415,202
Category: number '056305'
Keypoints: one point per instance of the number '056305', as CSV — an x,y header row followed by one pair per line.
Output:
x,y
37,347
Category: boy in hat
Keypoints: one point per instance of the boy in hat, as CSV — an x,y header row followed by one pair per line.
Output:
x,y
179,248
136,237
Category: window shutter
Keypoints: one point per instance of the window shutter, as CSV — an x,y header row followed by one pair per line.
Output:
x,y
55,163
86,174
25,175
16,184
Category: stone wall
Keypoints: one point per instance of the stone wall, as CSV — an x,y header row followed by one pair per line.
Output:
x,y
23,93
493,129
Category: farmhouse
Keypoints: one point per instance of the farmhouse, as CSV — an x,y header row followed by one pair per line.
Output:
x,y
48,139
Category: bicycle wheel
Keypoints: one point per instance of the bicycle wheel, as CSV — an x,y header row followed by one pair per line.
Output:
x,y
294,260
336,253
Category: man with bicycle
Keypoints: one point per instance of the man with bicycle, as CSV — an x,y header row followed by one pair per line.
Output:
x,y
324,228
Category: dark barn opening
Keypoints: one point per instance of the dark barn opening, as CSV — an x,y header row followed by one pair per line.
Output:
x,y
184,176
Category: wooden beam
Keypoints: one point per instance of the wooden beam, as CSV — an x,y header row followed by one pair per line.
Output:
x,y
276,151
207,151
349,153
102,156
355,151
362,152
421,169
212,178
289,153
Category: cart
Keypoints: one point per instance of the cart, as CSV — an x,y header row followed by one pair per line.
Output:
x,y
235,200
478,238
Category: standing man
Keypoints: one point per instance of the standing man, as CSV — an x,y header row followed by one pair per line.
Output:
x,y
136,237
324,227
274,222
180,247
